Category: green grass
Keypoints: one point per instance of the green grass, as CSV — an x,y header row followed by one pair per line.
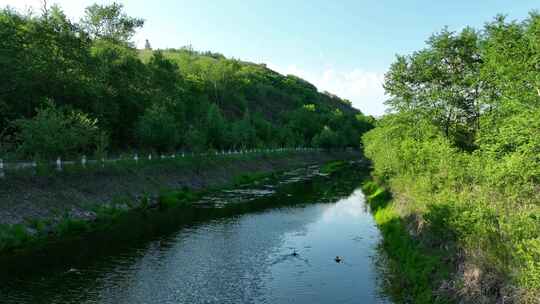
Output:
x,y
176,198
332,167
249,178
416,271
13,236
72,227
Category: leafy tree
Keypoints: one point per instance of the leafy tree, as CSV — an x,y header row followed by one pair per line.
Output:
x,y
56,132
110,22
121,89
264,130
305,121
243,133
327,139
158,129
441,82
40,58
287,138
216,128
196,140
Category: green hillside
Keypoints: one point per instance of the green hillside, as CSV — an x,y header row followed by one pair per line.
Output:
x,y
81,87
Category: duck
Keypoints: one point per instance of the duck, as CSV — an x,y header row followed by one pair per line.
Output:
x,y
294,253
338,259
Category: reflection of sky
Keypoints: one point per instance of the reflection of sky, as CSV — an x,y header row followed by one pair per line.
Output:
x,y
351,207
345,229
244,259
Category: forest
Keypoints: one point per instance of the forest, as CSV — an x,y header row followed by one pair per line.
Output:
x,y
460,151
69,88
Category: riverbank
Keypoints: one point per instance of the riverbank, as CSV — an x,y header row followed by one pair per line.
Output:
x,y
416,270
427,260
63,203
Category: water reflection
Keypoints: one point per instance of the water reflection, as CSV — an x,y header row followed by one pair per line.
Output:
x,y
244,258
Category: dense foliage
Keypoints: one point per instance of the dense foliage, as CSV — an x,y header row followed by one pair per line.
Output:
x,y
460,148
155,100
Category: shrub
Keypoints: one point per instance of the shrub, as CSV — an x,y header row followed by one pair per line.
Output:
x,y
157,128
327,139
56,132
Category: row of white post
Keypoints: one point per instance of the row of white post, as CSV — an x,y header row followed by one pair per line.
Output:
x,y
59,164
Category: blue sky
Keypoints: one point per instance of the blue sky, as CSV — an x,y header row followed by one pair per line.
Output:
x,y
344,46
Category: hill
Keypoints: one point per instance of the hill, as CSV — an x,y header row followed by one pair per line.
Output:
x,y
81,87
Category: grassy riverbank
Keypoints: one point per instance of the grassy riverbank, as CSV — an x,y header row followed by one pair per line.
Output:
x,y
443,253
415,269
38,208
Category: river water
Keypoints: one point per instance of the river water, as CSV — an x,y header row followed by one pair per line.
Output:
x,y
242,254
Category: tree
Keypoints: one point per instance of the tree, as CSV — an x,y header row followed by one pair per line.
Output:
x,y
41,58
196,140
305,121
216,128
157,129
327,139
110,22
243,133
55,132
441,83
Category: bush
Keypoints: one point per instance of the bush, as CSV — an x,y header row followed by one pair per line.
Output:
x,y
157,128
327,139
57,132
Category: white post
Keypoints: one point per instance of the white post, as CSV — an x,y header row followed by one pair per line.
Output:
x,y
136,158
83,161
2,174
59,164
149,156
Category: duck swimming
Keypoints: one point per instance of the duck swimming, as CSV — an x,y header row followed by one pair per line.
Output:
x,y
338,259
294,253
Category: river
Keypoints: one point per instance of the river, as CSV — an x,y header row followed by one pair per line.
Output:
x,y
242,254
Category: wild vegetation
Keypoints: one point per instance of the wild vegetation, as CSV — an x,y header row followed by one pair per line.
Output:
x,y
460,151
82,87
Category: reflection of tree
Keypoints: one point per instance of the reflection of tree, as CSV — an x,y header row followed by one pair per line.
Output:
x,y
226,258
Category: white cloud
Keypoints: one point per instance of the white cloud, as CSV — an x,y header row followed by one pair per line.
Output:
x,y
363,88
